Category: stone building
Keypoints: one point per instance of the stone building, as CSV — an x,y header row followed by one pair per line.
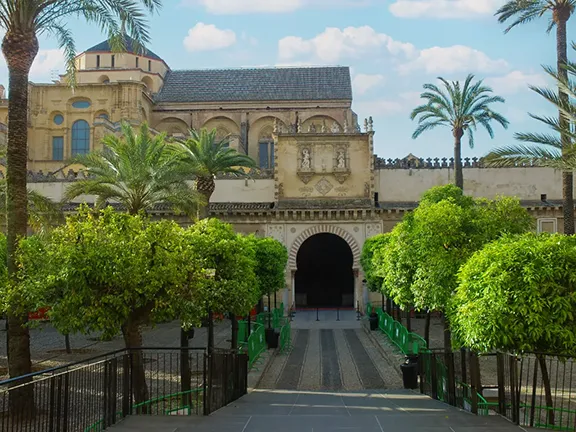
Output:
x,y
320,189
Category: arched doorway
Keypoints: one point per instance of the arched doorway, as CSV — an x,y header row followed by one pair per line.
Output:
x,y
324,276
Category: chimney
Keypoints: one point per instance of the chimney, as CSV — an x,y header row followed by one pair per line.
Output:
x,y
2,92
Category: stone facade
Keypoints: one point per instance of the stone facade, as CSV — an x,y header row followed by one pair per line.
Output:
x,y
318,171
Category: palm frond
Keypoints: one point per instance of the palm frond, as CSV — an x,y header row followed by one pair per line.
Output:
x,y
521,12
519,155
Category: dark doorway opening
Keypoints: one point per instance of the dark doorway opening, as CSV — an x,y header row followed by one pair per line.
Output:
x,y
325,277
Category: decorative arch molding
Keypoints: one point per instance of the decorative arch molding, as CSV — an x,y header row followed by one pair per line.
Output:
x,y
223,121
168,124
318,229
317,119
284,117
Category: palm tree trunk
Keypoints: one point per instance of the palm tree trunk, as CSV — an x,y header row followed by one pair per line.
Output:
x,y
205,186
19,50
458,175
567,176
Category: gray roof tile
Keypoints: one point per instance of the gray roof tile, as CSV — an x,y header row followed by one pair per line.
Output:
x,y
105,47
273,84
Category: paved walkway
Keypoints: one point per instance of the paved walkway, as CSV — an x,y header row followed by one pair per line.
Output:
x,y
288,411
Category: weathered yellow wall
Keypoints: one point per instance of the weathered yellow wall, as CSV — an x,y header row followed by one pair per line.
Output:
x,y
396,185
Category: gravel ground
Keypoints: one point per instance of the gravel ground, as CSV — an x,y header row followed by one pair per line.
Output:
x,y
48,350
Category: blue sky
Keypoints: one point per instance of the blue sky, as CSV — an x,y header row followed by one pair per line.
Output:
x,y
391,46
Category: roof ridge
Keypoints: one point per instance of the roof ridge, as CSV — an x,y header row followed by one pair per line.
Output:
x,y
248,68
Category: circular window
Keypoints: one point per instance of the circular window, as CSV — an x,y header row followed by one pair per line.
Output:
x,y
58,119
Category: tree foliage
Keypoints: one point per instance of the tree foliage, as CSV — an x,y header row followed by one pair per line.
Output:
x,y
518,294
271,260
372,246
229,259
448,231
139,171
106,271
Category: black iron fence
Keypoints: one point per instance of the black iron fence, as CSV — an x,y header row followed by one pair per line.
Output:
x,y
92,395
535,390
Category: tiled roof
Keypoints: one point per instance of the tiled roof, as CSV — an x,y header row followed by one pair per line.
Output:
x,y
273,84
105,47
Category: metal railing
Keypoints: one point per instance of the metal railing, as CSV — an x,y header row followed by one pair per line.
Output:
x,y
256,345
94,394
407,342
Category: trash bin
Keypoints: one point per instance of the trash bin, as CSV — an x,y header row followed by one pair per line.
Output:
x,y
272,338
373,321
410,372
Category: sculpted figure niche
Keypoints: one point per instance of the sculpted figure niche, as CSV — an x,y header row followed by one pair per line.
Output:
x,y
305,159
341,158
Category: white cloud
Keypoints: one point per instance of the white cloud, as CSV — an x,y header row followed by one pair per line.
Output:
x,y
208,37
240,7
444,8
457,58
334,44
46,61
515,82
362,82
403,104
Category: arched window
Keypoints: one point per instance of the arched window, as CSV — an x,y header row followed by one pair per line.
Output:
x,y
80,137
222,134
266,149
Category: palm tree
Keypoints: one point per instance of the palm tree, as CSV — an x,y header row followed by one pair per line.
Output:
x,y
23,21
545,149
522,12
137,170
460,107
206,157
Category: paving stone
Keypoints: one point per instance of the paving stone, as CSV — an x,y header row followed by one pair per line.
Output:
x,y
350,378
290,377
369,375
331,378
390,373
311,378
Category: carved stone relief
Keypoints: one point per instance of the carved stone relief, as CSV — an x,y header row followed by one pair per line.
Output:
x,y
305,164
276,232
306,191
324,186
373,229
367,190
342,191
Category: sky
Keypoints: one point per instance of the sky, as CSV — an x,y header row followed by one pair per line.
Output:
x,y
392,47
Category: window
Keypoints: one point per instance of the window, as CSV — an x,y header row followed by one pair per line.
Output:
x,y
80,137
97,62
113,62
103,116
137,61
58,148
81,104
549,225
149,65
58,119
266,154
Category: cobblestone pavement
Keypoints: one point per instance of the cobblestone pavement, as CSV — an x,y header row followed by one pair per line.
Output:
x,y
305,411
330,355
48,350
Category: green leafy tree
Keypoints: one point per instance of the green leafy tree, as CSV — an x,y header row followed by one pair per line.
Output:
x,y
517,294
23,21
518,12
206,157
447,232
461,107
231,286
555,150
271,260
139,171
372,246
110,272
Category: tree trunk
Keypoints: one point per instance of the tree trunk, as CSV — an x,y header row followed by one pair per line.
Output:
x,y
210,332
458,174
133,341
427,328
388,306
447,334
234,341
547,388
567,176
67,343
409,319
205,186
19,50
269,313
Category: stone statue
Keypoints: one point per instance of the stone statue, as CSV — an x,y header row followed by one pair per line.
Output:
x,y
323,130
305,159
275,125
335,128
370,124
341,160
312,128
365,125
346,126
298,127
